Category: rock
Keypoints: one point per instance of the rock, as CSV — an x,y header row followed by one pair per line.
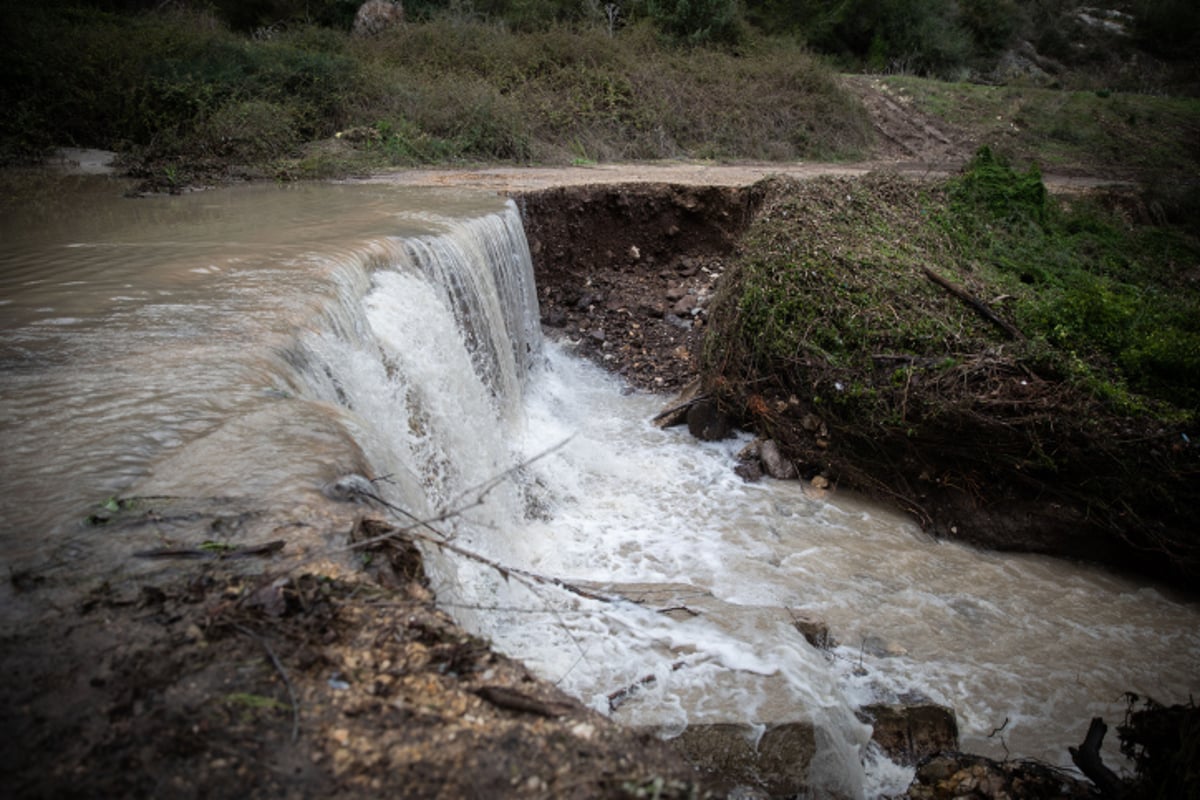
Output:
x,y
376,16
910,733
958,775
707,422
881,648
815,631
819,482
774,464
676,413
684,307
749,471
676,293
778,761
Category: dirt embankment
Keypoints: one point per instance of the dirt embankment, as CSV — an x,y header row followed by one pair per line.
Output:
x,y
229,678
625,272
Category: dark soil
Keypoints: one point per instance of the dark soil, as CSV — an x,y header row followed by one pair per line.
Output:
x,y
217,683
625,272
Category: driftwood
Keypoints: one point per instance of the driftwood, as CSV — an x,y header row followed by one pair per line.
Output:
x,y
512,700
215,552
1087,758
977,305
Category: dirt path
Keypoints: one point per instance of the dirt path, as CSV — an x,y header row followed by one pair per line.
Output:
x,y
516,180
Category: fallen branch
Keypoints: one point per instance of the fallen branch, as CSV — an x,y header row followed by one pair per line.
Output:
x,y
512,700
975,303
221,552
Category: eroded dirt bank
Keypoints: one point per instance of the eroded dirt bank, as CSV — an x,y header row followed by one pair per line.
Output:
x,y
627,273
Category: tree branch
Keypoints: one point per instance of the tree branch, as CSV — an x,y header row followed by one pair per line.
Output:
x,y
976,304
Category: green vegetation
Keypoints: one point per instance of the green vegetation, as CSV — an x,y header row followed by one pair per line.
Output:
x,y
1092,287
1096,130
192,91
184,95
1073,374
833,282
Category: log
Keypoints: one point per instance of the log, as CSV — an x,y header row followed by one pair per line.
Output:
x,y
1091,764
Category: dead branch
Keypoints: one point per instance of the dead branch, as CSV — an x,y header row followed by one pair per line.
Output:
x,y
620,696
1087,758
512,700
976,304
265,549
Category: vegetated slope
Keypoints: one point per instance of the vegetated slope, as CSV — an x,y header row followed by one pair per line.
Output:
x,y
186,99
1017,371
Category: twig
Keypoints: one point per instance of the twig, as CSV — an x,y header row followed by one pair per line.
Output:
x,y
287,682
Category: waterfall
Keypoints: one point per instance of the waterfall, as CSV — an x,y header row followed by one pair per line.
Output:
x,y
436,353
429,348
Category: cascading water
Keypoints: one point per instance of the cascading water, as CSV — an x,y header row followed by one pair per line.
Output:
x,y
255,346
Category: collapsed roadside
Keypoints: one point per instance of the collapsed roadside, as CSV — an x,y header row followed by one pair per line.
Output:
x,y
896,337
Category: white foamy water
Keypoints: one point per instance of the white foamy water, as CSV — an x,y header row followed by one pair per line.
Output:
x,y
254,345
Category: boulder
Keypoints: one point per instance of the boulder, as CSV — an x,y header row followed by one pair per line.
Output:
x,y
676,413
908,733
707,422
774,464
736,754
376,16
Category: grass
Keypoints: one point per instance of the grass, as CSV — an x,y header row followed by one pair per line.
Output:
x,y
1081,420
829,310
832,278
1093,131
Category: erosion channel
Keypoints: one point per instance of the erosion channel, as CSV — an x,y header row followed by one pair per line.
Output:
x,y
237,385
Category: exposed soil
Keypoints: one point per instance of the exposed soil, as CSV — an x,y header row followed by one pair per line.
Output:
x,y
286,683
625,272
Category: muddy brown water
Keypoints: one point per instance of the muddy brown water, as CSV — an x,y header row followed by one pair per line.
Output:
x,y
237,351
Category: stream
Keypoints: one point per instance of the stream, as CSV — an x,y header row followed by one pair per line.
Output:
x,y
243,350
